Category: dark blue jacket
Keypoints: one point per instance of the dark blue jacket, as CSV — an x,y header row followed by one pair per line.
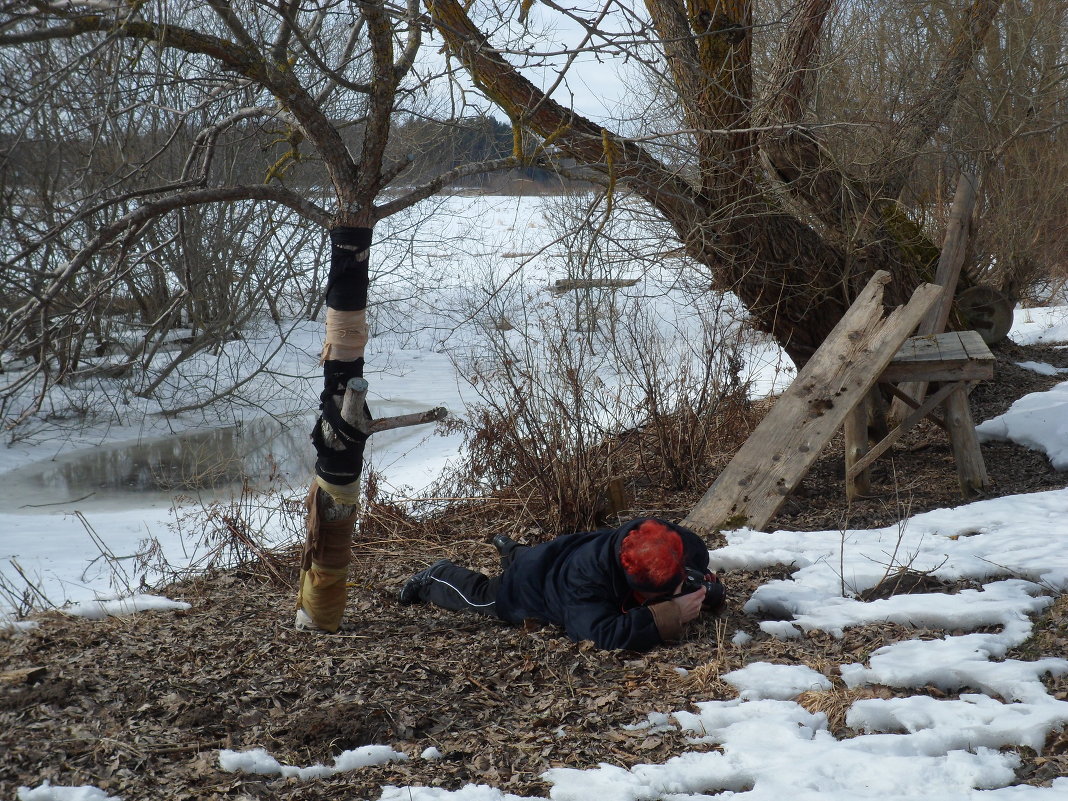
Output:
x,y
576,581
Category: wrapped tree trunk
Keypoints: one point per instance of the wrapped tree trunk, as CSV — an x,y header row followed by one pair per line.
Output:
x,y
340,435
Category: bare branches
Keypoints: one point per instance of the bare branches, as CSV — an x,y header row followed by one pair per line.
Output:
x,y
563,128
920,122
291,28
132,222
233,23
242,57
414,39
380,114
789,84
441,181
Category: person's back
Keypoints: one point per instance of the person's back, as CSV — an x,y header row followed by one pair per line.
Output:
x,y
577,582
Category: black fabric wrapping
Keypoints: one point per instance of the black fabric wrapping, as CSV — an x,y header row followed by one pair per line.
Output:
x,y
336,375
346,290
346,286
338,467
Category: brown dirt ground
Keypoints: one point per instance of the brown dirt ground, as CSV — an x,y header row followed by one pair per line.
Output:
x,y
140,706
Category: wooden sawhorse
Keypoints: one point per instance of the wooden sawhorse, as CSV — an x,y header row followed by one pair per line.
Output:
x,y
833,391
953,360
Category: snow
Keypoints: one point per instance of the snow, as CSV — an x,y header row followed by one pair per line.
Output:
x,y
49,792
259,762
1038,421
1040,326
1042,368
780,682
127,605
1013,550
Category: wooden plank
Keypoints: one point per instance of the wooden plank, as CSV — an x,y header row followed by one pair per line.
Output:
x,y
968,371
928,349
563,285
946,357
951,259
975,345
780,451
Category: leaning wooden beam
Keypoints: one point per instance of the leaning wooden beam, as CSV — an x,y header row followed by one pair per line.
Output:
x,y
779,453
950,262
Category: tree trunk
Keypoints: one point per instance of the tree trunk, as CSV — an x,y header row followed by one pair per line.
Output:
x,y
340,434
797,258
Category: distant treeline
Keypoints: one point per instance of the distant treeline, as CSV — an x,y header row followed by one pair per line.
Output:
x,y
435,146
253,152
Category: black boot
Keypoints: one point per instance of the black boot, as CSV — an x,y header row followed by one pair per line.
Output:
x,y
412,591
504,545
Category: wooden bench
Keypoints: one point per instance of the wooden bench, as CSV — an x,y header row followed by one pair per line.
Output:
x,y
954,361
837,389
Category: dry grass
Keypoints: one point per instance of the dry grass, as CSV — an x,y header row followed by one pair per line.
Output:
x,y
835,703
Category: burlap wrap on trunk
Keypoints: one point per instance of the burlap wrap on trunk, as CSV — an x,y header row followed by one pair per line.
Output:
x,y
324,566
346,335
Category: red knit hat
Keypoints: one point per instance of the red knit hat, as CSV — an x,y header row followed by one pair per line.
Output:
x,y
652,558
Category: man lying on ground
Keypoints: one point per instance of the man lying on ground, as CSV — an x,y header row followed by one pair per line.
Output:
x,y
631,588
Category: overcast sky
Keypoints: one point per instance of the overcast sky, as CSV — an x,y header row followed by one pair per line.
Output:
x,y
592,85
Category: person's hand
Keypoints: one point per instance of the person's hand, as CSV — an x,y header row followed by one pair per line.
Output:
x,y
689,605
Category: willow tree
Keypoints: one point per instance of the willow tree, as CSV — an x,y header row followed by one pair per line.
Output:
x,y
761,198
117,118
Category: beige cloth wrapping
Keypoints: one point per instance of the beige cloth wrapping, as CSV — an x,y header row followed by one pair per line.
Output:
x,y
346,335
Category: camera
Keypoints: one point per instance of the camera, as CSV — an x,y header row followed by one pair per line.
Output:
x,y
715,592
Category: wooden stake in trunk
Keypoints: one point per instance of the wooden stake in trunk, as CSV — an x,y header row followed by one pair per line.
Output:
x,y
340,435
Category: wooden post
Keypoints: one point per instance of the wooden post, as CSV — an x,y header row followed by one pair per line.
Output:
x,y
855,431
950,261
971,470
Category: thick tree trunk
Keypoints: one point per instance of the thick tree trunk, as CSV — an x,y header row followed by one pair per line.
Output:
x,y
796,263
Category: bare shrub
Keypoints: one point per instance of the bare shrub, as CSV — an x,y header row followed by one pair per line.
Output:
x,y
255,531
568,425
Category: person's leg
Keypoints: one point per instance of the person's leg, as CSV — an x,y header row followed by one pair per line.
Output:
x,y
450,586
455,587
